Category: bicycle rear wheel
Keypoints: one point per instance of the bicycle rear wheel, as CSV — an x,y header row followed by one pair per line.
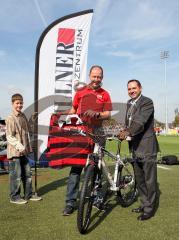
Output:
x,y
127,185
86,199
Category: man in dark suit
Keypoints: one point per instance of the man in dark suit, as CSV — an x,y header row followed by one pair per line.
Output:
x,y
143,146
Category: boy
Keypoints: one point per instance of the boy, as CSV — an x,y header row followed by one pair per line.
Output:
x,y
18,147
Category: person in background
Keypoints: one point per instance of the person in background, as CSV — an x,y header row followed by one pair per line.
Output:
x,y
3,145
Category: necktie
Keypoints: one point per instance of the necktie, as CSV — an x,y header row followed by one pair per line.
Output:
x,y
130,113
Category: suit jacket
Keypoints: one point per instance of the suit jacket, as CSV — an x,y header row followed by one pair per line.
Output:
x,y
144,142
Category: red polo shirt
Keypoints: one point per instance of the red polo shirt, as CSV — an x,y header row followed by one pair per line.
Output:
x,y
89,99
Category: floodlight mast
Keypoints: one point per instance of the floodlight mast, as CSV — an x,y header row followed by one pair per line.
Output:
x,y
164,55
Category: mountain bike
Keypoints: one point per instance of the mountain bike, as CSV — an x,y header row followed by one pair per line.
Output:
x,y
122,181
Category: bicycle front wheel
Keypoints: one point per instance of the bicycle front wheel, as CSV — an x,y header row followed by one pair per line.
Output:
x,y
86,199
127,185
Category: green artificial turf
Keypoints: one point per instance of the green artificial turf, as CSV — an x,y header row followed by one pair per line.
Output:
x,y
169,145
44,221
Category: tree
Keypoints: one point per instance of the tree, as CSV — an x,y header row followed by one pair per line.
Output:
x,y
158,124
176,121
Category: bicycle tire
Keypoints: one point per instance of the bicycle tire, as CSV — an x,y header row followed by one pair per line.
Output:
x,y
127,192
86,199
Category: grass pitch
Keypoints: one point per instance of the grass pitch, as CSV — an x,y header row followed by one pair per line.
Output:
x,y
44,221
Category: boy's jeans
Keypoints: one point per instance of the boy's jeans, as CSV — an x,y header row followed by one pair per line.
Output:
x,y
19,170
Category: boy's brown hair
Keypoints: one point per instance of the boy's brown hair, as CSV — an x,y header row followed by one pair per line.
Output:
x,y
16,96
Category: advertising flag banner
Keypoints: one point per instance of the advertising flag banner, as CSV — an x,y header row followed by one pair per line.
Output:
x,y
61,61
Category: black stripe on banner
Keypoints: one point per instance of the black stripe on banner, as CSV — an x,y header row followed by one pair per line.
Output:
x,y
66,134
66,155
69,144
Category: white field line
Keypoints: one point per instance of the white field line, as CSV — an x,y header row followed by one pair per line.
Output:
x,y
166,168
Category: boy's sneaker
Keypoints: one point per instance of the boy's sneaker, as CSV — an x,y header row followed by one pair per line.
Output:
x,y
35,198
68,210
19,201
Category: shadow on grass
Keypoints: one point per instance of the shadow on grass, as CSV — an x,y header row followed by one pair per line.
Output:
x,y
52,186
101,216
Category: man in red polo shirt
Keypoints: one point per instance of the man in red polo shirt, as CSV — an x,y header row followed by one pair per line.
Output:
x,y
93,104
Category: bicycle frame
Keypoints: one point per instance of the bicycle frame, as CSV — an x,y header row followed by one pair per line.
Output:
x,y
101,152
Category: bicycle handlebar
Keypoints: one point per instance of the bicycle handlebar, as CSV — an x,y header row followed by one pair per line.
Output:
x,y
106,131
93,136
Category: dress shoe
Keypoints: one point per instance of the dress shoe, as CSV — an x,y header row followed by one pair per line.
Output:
x,y
145,216
137,210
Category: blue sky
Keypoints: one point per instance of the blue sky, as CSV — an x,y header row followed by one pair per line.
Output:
x,y
126,38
